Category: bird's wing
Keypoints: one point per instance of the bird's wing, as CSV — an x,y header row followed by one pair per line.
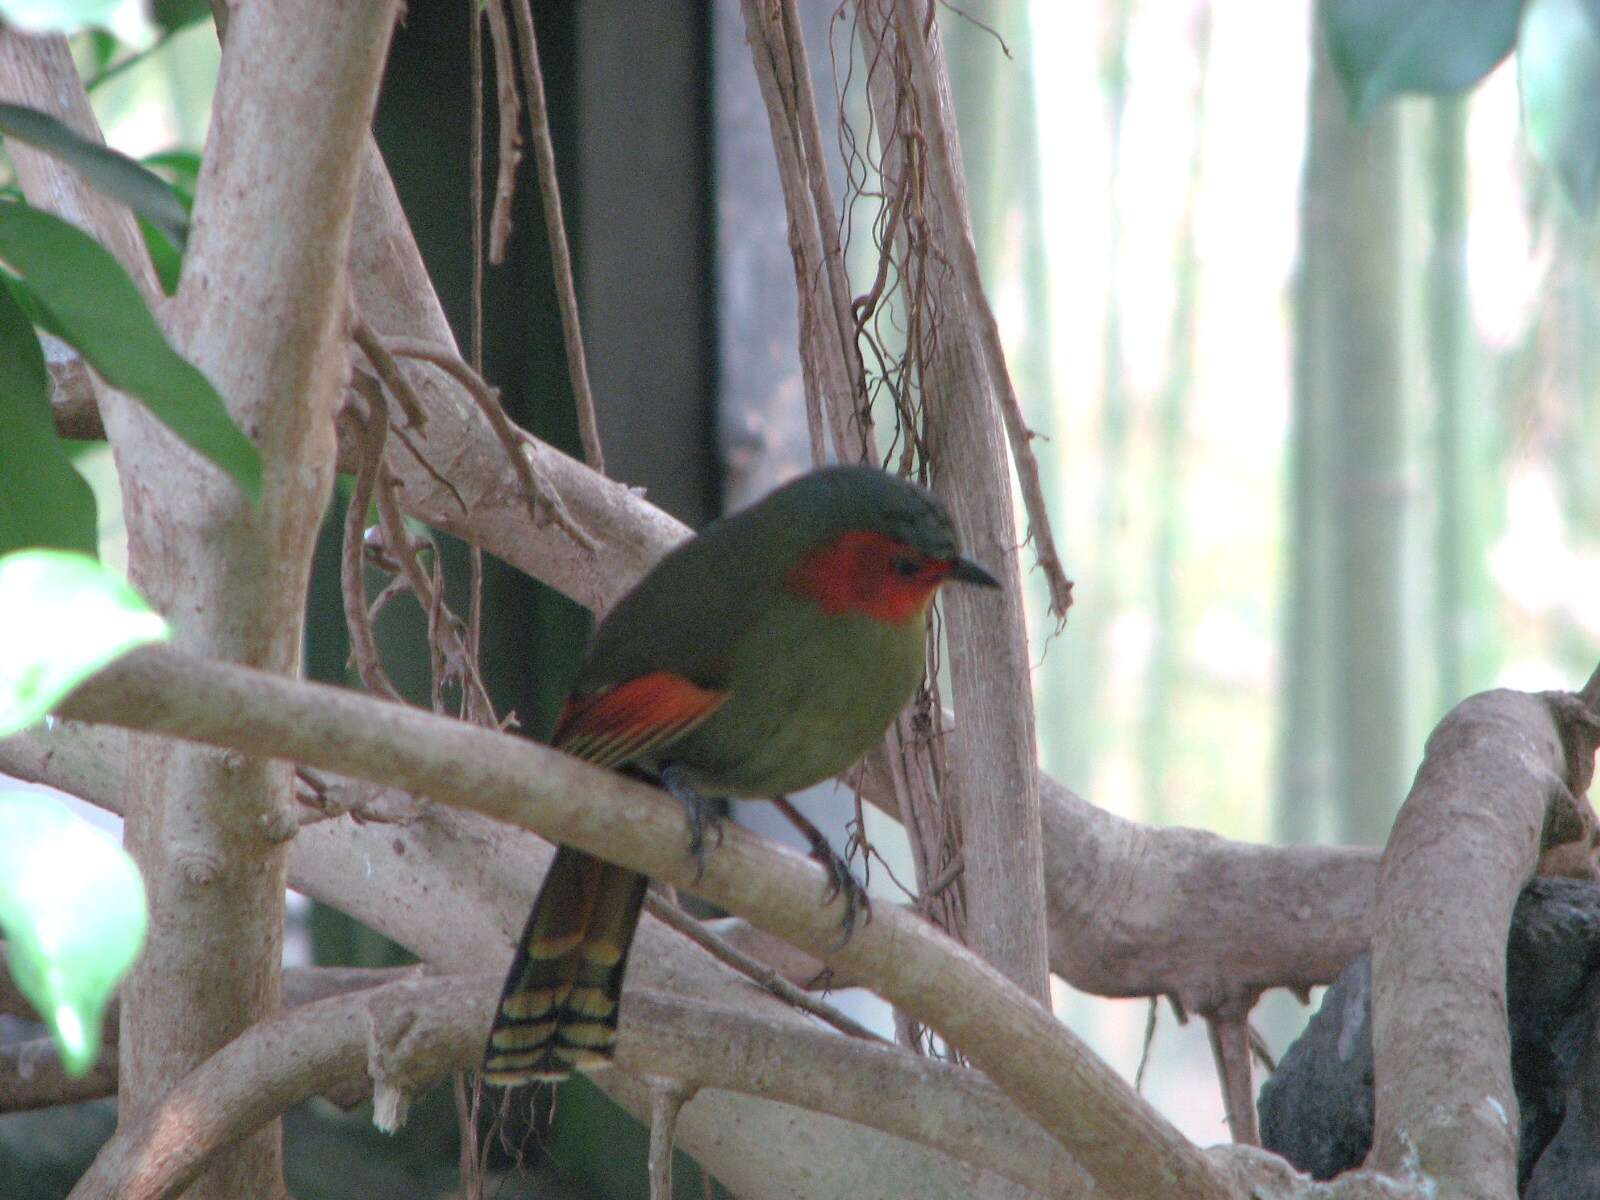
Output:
x,y
619,723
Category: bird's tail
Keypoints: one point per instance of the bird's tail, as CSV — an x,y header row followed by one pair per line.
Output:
x,y
558,1009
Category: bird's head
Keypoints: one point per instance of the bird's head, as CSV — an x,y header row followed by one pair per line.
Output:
x,y
879,546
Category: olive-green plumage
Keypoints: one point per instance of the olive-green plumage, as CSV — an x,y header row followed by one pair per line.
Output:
x,y
761,657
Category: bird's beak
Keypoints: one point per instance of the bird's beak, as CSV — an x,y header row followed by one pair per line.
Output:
x,y
967,571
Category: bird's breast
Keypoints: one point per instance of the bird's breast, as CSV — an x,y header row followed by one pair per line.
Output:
x,y
809,694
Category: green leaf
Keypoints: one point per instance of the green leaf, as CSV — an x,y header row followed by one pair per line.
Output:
x,y
182,168
1558,68
65,617
1381,48
73,908
43,500
166,258
29,304
95,307
173,15
107,170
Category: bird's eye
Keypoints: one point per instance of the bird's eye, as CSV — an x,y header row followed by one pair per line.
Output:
x,y
906,567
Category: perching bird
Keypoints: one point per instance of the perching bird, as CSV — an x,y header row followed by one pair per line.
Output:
x,y
763,656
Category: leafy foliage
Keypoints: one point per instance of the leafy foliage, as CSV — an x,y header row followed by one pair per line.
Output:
x,y
73,908
86,299
1381,48
1559,71
66,616
43,500
108,170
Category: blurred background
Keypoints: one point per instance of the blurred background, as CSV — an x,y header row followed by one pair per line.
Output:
x,y
1315,403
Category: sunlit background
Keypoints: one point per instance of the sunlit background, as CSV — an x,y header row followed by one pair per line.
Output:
x,y
1135,170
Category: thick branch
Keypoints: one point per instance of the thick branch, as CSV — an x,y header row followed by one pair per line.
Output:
x,y
993,780
1465,842
454,888
1037,1062
31,1076
408,1035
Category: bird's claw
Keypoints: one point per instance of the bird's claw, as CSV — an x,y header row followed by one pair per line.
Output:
x,y
700,814
842,881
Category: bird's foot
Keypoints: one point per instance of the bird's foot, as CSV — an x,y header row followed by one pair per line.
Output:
x,y
842,880
701,814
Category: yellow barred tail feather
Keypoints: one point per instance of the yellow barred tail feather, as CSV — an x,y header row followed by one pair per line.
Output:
x,y
558,1009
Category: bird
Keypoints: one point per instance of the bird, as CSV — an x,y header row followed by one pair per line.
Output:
x,y
760,657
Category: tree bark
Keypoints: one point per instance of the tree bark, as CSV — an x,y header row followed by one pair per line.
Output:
x,y
259,310
1500,772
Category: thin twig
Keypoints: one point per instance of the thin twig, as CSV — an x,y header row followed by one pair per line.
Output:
x,y
1144,1050
475,152
756,970
393,588
389,371
942,176
1263,1052
510,154
1230,1050
352,577
442,632
809,131
421,460
535,491
667,1098
468,1161
544,157
475,340
824,357
326,797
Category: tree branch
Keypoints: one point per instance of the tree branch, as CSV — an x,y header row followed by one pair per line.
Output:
x,y
1230,1051
757,971
1128,1148
455,888
1465,843
31,1076
409,1034
544,157
992,781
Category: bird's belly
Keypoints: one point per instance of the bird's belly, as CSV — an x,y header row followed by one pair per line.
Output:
x,y
803,708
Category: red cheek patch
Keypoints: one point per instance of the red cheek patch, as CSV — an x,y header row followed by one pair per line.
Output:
x,y
856,573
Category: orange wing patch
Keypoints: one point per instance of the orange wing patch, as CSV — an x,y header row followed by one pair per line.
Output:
x,y
611,727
